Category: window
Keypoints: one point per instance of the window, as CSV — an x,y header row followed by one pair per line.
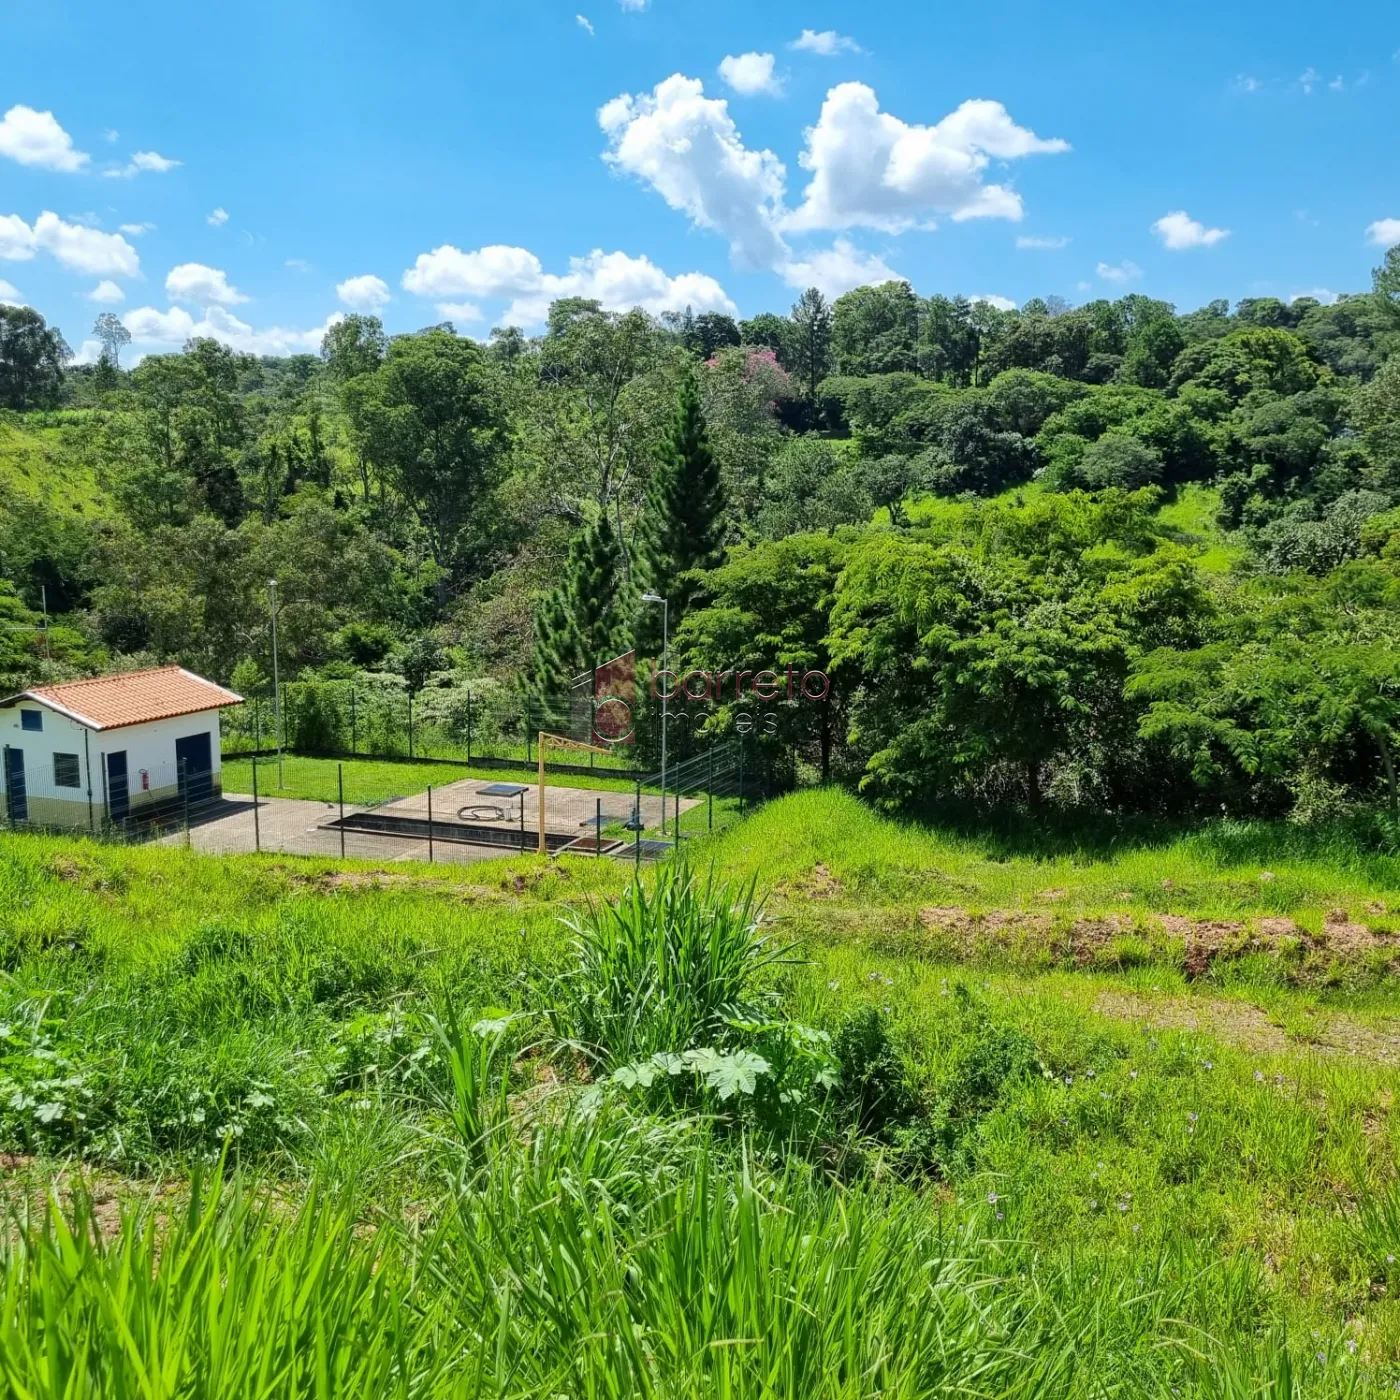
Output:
x,y
65,770
32,720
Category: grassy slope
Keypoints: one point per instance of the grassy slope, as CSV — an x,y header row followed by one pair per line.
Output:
x,y
49,465
1214,1130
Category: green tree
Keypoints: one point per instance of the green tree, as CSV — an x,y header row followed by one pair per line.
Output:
x,y
353,346
811,341
431,421
583,622
114,336
684,524
874,330
32,356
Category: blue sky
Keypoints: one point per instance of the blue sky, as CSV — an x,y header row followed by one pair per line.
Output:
x,y
474,160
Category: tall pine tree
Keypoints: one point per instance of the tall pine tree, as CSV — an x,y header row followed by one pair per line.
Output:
x,y
584,621
684,523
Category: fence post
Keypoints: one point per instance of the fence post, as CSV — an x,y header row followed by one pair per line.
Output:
x,y
741,775
598,828
257,831
522,823
340,786
185,789
430,826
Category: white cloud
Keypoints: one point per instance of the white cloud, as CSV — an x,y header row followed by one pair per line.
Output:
x,y
16,239
826,44
1308,80
201,286
298,264
1030,241
367,293
751,74
1001,303
141,161
688,149
1384,233
838,269
870,169
217,217
493,271
1245,83
459,311
86,250
1178,231
107,293
1122,272
634,4
617,280
583,23
136,230
36,138
9,294
176,326
110,134
89,353
1323,294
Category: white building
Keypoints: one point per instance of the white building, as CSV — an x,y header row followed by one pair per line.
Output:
x,y
91,752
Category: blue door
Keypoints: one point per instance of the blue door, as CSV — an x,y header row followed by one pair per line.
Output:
x,y
118,792
195,762
15,789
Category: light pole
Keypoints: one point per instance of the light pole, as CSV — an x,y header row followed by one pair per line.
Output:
x,y
276,687
665,662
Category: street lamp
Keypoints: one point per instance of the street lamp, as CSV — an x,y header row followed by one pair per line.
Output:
x,y
665,663
276,688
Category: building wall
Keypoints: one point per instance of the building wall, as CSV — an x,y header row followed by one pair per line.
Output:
x,y
148,747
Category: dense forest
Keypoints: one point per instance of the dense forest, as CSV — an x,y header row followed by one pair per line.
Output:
x,y
1109,557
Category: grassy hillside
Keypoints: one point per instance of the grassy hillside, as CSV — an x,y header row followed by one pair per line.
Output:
x,y
49,464
1115,1122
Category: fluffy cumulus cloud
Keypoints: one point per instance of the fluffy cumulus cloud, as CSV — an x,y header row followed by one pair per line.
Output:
x,y
107,293
1179,231
825,43
872,170
751,74
9,294
1325,295
1119,272
687,148
1384,233
838,269
498,272
88,353
149,326
142,162
217,217
36,138
201,286
74,245
367,293
459,311
1001,303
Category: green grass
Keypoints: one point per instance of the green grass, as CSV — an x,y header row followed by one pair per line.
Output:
x,y
49,465
369,780
1089,1178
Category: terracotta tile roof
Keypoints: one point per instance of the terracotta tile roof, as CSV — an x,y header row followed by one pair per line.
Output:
x,y
134,697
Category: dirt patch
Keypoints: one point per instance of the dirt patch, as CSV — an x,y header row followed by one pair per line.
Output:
x,y
821,884
1198,942
1244,1025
